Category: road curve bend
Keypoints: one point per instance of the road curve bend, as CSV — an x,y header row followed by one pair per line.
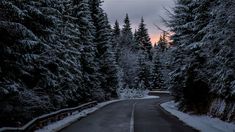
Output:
x,y
131,116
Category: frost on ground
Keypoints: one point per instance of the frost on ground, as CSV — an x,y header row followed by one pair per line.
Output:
x,y
202,123
127,93
56,126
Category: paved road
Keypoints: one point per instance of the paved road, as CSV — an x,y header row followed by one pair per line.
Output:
x,y
131,116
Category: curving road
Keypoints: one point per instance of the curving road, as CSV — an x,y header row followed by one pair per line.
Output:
x,y
131,116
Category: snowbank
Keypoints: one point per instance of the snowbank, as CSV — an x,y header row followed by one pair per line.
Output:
x,y
150,97
202,123
166,92
132,93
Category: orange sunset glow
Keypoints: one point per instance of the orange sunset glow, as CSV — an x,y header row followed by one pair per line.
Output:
x,y
154,38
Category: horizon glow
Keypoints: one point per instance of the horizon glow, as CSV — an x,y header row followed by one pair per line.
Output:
x,y
151,10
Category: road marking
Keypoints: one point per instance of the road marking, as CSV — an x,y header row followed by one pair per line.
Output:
x,y
132,118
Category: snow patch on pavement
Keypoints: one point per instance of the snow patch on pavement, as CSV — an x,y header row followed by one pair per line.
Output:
x,y
202,123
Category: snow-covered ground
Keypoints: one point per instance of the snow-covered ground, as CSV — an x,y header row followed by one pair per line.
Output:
x,y
166,92
150,97
56,126
202,123
127,93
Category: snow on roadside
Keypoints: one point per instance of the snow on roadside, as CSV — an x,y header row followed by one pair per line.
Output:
x,y
56,126
150,97
127,93
166,92
202,123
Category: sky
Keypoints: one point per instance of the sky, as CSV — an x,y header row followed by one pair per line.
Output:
x,y
151,10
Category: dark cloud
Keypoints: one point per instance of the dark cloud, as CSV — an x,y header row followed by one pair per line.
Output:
x,y
151,10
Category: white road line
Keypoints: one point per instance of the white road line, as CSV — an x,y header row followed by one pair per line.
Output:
x,y
132,118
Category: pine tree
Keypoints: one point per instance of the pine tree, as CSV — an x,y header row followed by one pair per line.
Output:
x,y
127,27
126,34
189,59
81,11
135,34
143,39
128,60
116,30
179,23
156,75
143,77
105,55
70,73
34,77
218,44
162,43
116,36
203,39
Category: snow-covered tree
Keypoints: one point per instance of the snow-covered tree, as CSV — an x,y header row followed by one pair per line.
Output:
x,y
180,21
89,67
116,36
116,30
156,79
126,34
143,39
143,77
48,49
162,43
105,50
127,54
203,57
25,27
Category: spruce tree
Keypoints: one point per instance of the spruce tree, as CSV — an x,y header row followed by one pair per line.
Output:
x,y
203,54
116,36
128,55
89,69
183,14
116,30
143,77
162,43
105,50
127,27
143,39
34,83
126,34
218,42
179,23
156,75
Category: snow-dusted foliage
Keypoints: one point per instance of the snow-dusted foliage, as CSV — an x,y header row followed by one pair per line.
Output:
x,y
157,72
108,68
143,40
161,63
203,56
54,54
126,56
127,93
132,52
143,79
134,55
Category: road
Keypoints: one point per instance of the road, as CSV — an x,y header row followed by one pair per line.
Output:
x,y
131,116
